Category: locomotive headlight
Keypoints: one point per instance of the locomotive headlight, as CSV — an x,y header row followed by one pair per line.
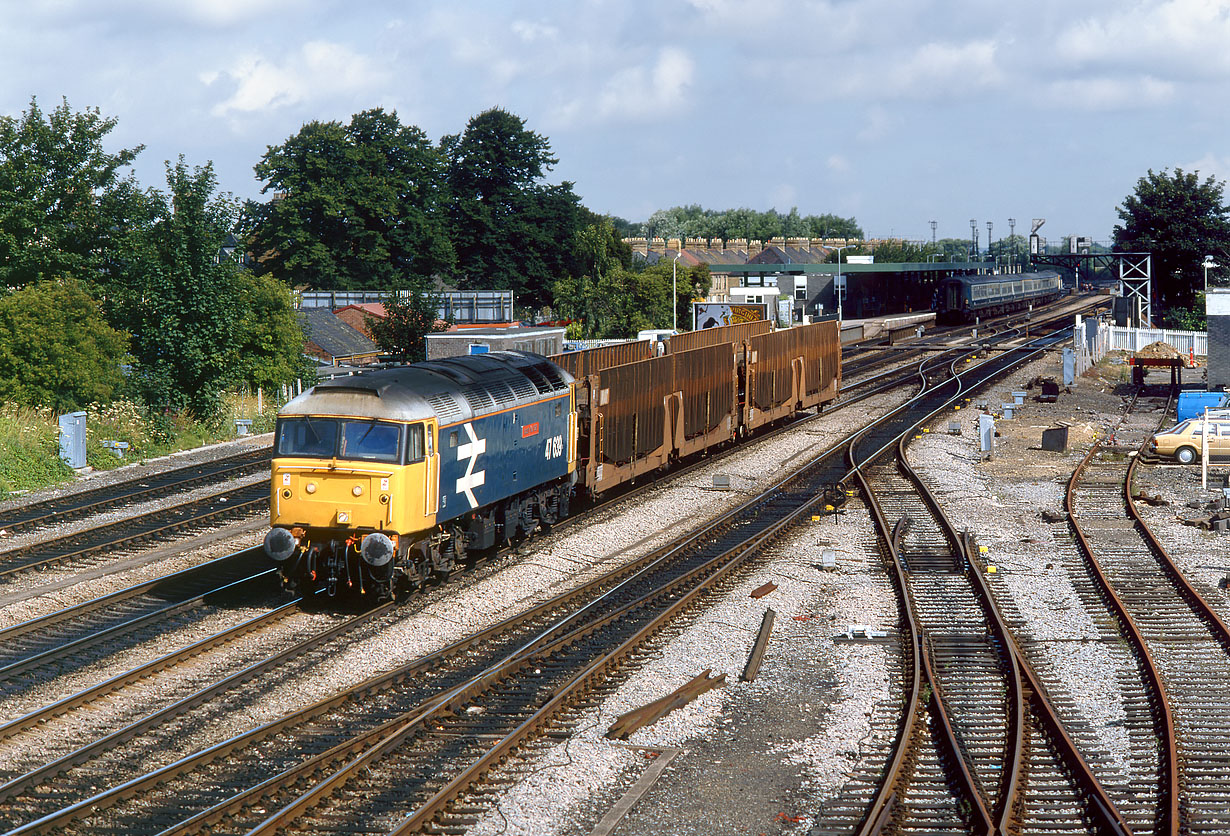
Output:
x,y
310,487
280,544
384,499
286,493
377,549
357,490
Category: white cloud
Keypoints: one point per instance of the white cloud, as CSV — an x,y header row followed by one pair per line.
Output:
x,y
649,92
1185,37
1106,93
931,71
637,93
784,195
232,12
838,164
1210,165
531,32
318,70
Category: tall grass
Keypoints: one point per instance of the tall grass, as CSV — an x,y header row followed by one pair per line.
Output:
x,y
29,450
29,437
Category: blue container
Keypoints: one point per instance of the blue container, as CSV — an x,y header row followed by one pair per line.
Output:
x,y
1192,404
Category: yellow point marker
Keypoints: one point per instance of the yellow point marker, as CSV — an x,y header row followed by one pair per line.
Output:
x,y
991,569
815,518
957,407
982,550
926,430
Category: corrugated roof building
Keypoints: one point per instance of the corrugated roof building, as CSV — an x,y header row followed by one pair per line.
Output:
x,y
330,339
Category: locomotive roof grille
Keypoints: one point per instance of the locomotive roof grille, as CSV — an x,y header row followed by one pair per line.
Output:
x,y
451,390
445,407
551,372
522,388
479,399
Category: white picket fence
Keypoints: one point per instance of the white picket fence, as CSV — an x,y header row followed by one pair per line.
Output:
x,y
1134,339
1093,340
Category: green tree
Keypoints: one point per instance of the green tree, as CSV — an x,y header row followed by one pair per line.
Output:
x,y
694,221
55,180
176,296
409,318
56,349
510,229
1179,219
357,206
621,302
268,338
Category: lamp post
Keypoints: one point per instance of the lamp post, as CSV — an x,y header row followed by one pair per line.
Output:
x,y
1208,262
675,293
973,238
990,224
934,224
840,286
1012,242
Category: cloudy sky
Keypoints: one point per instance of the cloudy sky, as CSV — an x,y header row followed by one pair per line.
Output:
x,y
896,112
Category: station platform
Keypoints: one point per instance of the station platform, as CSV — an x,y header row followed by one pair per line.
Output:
x,y
884,327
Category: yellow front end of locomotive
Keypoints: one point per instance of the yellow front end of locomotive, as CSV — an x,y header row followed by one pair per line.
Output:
x,y
349,497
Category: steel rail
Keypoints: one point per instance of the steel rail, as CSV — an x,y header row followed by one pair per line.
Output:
x,y
28,558
884,800
982,823
150,668
733,560
63,651
163,597
99,499
754,500
29,780
1189,593
110,797
886,795
1170,820
1011,777
1105,811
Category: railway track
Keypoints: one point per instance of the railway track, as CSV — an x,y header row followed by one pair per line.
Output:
x,y
58,510
980,749
565,636
35,651
1183,645
97,544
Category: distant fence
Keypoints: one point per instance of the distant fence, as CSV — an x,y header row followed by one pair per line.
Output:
x,y
1093,338
461,306
1134,339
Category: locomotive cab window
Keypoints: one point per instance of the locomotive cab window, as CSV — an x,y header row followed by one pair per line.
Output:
x,y
311,437
415,447
371,440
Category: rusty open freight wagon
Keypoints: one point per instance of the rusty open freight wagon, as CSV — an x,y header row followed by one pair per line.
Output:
x,y
637,417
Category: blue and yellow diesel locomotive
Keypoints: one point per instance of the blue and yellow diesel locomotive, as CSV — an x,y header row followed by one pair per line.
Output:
x,y
961,298
383,479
